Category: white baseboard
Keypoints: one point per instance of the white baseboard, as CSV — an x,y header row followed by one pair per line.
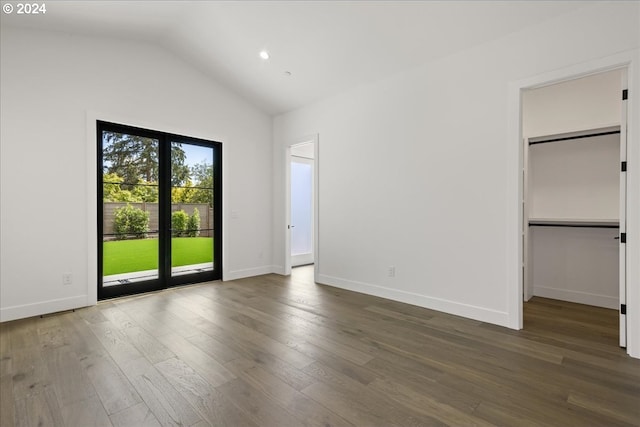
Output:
x,y
577,297
40,308
278,269
249,272
464,310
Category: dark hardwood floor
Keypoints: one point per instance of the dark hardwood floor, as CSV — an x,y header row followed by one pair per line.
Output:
x,y
277,351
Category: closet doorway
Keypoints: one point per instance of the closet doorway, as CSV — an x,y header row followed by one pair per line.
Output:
x,y
574,202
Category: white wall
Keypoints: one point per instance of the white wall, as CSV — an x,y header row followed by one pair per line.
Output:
x,y
50,84
575,179
590,102
432,193
576,265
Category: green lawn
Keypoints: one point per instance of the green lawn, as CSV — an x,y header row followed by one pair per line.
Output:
x,y
126,256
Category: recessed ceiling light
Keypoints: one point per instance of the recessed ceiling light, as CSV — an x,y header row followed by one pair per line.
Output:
x,y
264,54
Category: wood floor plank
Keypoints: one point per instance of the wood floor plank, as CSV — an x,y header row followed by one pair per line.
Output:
x,y
299,405
257,406
426,404
114,389
38,409
368,400
213,347
341,356
278,349
611,406
424,382
138,415
499,415
147,344
212,405
118,317
359,411
212,371
115,342
54,335
69,379
30,373
166,403
274,350
93,314
7,413
291,375
355,371
23,333
86,412
246,348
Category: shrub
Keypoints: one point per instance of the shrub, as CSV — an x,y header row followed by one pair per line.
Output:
x,y
193,224
179,221
130,221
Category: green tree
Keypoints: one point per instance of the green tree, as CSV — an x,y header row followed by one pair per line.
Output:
x,y
202,175
112,189
183,194
179,171
135,158
145,191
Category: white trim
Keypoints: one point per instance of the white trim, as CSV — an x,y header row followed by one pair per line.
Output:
x,y
41,308
451,307
249,272
278,269
514,180
577,297
225,205
92,209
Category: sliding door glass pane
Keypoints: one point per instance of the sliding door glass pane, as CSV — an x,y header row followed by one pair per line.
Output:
x,y
129,208
191,208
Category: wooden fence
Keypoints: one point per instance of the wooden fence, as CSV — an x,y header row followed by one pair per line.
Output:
x,y
109,208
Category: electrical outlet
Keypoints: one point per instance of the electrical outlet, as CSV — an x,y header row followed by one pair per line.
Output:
x,y
67,279
391,272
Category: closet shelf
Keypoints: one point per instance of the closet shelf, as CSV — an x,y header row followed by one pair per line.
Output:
x,y
574,222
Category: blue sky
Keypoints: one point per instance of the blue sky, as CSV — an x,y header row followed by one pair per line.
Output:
x,y
197,154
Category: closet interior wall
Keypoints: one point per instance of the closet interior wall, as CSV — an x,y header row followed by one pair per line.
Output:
x,y
571,204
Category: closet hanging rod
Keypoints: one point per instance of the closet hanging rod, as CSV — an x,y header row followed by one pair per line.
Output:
x,y
541,224
567,138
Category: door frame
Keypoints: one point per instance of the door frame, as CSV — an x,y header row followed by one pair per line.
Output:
x,y
630,61
316,203
91,119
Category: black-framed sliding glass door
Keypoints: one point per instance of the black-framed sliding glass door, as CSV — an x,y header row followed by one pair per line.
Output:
x,y
159,210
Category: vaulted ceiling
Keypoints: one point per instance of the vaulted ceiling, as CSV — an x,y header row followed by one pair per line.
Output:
x,y
317,48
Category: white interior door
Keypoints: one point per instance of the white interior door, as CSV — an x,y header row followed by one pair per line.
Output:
x,y
302,211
